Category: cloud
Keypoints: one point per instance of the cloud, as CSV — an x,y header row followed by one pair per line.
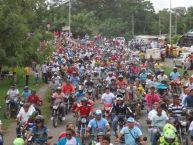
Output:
x,y
160,4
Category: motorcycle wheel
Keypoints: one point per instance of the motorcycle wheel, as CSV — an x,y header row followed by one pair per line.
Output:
x,y
83,136
55,122
7,114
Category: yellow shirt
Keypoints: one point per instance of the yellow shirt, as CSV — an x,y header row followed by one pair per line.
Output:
x,y
27,71
14,69
158,66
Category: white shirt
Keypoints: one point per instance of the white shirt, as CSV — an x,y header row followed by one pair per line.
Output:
x,y
191,126
24,116
107,98
159,121
154,112
44,68
72,141
190,86
12,93
162,78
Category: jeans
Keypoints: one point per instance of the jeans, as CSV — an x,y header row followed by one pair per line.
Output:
x,y
154,137
115,122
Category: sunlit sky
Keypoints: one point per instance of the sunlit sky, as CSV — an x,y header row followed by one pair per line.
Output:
x,y
160,4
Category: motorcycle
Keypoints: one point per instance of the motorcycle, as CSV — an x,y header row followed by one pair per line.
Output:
x,y
183,130
57,115
68,101
156,133
12,108
31,141
107,112
121,122
83,126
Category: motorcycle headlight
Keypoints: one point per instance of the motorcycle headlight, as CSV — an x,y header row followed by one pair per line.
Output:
x,y
67,96
155,130
107,108
83,120
7,101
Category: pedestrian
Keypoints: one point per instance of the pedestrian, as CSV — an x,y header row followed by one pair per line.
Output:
x,y
27,73
44,73
36,76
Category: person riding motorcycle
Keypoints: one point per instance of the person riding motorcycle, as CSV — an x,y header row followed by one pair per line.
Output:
x,y
35,100
79,94
13,94
84,110
119,108
107,97
39,133
58,98
68,87
75,79
26,93
120,82
98,124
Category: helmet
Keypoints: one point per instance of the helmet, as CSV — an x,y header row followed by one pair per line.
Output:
x,y
98,112
26,87
84,99
169,134
100,134
169,126
120,76
59,88
18,141
119,99
40,118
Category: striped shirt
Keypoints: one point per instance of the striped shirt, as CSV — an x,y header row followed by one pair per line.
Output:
x,y
176,110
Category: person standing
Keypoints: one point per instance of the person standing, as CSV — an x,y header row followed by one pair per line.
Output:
x,y
44,73
27,73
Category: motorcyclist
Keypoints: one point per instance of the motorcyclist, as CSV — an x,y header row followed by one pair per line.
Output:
x,y
35,100
119,108
151,98
98,124
26,93
113,86
68,87
88,82
39,132
120,82
58,97
13,94
131,132
107,97
110,76
79,94
174,75
75,79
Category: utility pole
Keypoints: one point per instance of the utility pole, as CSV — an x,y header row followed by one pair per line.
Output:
x,y
69,12
133,25
170,27
159,24
176,24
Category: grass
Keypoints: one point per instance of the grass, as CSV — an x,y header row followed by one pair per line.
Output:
x,y
46,110
5,85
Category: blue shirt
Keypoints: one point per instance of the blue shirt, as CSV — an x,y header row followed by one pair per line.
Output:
x,y
188,102
129,139
98,125
174,75
75,80
40,135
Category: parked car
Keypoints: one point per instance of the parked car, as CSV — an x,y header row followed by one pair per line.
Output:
x,y
181,61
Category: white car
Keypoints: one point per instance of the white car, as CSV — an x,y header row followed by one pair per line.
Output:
x,y
181,60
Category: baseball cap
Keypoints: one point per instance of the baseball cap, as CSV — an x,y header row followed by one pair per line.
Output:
x,y
130,119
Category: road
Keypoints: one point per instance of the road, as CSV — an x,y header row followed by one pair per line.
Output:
x,y
10,133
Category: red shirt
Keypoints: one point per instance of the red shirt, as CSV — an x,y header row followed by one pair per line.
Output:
x,y
68,89
84,110
34,100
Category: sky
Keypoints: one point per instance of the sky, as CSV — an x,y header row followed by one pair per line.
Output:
x,y
160,4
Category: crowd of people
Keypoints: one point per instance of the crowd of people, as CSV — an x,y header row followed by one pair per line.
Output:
x,y
86,73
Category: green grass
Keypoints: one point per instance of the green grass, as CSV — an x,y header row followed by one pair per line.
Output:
x,y
5,85
46,110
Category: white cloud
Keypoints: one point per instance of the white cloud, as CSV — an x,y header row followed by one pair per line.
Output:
x,y
160,4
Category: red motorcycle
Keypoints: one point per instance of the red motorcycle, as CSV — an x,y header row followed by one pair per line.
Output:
x,y
107,112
